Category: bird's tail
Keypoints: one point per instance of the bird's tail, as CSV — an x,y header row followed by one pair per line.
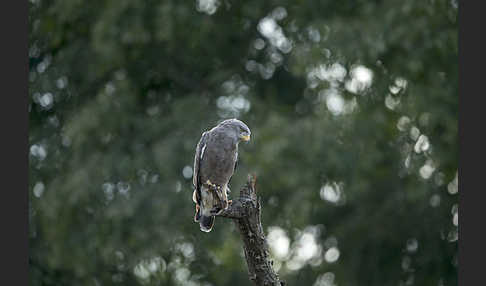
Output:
x,y
206,223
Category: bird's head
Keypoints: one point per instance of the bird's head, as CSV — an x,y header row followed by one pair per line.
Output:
x,y
239,130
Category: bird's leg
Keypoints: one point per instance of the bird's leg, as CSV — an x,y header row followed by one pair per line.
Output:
x,y
220,196
217,208
213,188
225,200
216,190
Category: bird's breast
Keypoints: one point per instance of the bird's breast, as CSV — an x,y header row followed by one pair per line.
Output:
x,y
218,163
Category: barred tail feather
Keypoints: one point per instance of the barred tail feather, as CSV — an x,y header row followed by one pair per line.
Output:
x,y
206,223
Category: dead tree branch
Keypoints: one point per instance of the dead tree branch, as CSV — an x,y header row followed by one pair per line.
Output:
x,y
246,212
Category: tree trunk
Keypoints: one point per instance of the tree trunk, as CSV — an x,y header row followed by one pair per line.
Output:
x,y
246,212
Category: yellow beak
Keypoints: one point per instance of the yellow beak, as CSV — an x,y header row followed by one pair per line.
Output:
x,y
245,137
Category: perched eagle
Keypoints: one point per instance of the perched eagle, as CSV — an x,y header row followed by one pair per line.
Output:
x,y
214,164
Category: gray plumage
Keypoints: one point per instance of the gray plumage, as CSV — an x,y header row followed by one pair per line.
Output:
x,y
214,164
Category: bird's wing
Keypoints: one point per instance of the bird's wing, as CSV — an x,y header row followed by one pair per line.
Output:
x,y
234,170
200,148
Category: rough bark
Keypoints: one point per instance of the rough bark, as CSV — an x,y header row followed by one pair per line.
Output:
x,y
246,212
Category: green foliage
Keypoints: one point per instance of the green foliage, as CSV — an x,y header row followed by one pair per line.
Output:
x,y
353,108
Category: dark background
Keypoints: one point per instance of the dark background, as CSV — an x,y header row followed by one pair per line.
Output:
x,y
353,108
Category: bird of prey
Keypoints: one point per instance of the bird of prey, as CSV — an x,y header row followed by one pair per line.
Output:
x,y
214,164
